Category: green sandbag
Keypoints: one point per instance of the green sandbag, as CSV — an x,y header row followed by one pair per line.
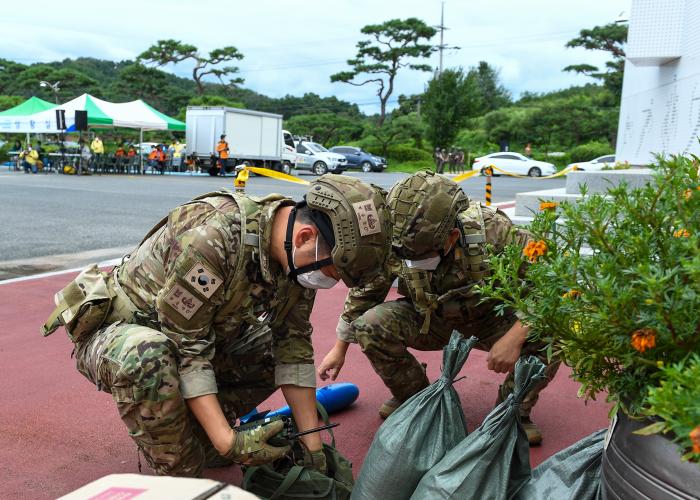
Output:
x,y
418,434
573,473
493,462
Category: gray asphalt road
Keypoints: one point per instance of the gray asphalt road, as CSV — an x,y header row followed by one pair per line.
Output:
x,y
46,215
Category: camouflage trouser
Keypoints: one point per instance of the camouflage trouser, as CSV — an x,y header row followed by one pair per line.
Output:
x,y
138,366
386,331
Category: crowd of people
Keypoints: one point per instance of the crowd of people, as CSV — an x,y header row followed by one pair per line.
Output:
x,y
452,158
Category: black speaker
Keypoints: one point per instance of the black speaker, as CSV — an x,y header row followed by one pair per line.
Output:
x,y
81,120
61,119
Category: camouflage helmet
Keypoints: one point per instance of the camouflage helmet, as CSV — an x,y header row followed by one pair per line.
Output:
x,y
424,210
359,217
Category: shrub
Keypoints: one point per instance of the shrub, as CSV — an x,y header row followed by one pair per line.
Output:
x,y
476,142
402,153
590,150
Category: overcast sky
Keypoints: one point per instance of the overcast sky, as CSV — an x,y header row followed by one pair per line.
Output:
x,y
293,47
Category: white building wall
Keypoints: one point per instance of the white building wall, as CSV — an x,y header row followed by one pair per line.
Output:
x,y
660,107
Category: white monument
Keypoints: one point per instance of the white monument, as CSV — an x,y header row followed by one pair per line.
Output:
x,y
660,108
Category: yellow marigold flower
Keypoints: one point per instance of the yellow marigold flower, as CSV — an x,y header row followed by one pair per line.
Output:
x,y
660,364
576,327
648,301
681,233
688,194
548,205
535,249
571,294
643,339
695,438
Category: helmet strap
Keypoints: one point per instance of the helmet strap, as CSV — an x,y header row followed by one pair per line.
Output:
x,y
289,246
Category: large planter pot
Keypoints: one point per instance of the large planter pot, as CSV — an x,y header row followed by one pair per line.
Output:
x,y
639,467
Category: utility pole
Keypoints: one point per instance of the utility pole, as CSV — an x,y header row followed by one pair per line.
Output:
x,y
442,47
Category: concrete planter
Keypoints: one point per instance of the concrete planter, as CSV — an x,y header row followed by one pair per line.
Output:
x,y
645,467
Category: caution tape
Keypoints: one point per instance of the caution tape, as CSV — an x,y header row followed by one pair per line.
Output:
x,y
465,176
244,174
558,174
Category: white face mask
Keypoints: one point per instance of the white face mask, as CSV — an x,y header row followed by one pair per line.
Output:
x,y
314,279
429,264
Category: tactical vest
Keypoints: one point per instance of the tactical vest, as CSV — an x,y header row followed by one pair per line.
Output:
x,y
470,257
83,305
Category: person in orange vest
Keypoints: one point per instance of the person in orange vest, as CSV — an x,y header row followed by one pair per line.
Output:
x,y
131,152
156,159
222,151
119,152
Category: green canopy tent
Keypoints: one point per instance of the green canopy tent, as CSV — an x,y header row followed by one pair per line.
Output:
x,y
22,118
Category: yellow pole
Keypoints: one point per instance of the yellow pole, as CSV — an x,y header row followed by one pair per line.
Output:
x,y
489,173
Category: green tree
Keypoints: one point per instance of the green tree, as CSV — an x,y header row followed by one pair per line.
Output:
x,y
400,129
174,51
9,70
328,129
491,93
447,103
72,82
136,81
609,38
393,45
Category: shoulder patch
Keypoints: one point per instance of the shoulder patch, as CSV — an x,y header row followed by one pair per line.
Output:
x,y
183,301
202,280
367,217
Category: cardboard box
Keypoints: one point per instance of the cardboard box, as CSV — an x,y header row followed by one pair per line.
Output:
x,y
140,487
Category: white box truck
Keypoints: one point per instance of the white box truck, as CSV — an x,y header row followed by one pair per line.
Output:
x,y
254,137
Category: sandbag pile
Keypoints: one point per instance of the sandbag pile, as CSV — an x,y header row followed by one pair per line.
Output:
x,y
494,461
418,434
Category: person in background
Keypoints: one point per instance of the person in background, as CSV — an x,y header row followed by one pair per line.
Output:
x,y
156,159
29,158
192,163
222,152
131,152
528,150
85,158
98,149
119,153
176,149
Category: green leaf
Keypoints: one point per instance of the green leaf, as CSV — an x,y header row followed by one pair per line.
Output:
x,y
654,428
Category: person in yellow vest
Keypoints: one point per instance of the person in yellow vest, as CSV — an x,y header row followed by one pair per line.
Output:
x,y
29,158
222,152
98,150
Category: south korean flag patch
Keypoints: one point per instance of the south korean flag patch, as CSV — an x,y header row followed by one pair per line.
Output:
x,y
202,280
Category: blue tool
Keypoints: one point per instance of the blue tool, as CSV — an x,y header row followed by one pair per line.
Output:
x,y
333,398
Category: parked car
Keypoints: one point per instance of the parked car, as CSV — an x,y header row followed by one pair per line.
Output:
x,y
361,159
598,164
312,156
514,163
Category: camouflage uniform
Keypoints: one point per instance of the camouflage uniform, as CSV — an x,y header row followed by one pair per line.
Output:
x,y
200,308
385,330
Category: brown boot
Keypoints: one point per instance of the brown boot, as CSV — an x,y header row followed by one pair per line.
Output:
x,y
388,407
534,435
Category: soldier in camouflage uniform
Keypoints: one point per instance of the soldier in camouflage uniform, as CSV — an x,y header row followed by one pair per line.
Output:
x,y
210,314
440,251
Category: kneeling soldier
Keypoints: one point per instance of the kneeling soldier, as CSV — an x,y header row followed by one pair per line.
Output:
x,y
210,314
440,251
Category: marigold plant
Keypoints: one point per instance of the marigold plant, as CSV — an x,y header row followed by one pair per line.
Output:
x,y
630,258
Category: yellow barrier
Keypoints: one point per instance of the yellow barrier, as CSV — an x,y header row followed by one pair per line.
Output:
x,y
558,174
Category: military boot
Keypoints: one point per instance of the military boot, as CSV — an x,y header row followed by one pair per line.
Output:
x,y
391,405
534,435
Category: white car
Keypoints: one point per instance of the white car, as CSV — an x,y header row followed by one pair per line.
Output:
x,y
514,163
594,165
312,156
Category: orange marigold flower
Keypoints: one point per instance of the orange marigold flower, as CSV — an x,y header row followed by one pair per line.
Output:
x,y
548,205
681,233
535,249
571,294
688,194
643,339
695,438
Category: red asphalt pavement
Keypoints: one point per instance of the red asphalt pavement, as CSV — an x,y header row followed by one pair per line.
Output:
x,y
57,432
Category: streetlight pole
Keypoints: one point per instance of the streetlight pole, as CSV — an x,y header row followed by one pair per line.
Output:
x,y
53,86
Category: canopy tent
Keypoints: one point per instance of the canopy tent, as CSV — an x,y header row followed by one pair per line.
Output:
x,y
38,116
135,114
22,118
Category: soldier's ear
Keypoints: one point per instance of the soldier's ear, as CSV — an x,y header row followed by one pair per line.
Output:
x,y
304,234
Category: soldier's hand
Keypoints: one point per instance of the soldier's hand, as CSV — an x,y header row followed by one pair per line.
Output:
x,y
250,446
316,460
503,355
331,364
